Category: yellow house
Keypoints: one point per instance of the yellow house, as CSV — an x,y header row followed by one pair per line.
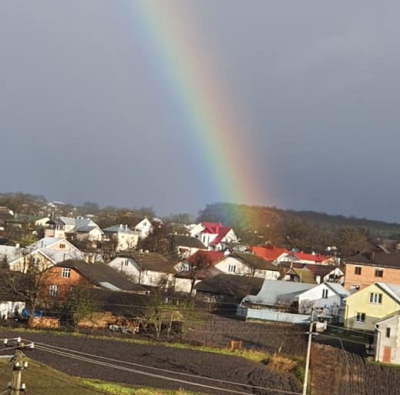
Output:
x,y
369,305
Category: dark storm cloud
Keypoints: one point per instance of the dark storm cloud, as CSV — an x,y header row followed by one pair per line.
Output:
x,y
85,115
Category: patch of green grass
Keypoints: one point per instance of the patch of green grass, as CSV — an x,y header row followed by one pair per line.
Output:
x,y
117,389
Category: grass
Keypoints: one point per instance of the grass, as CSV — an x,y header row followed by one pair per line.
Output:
x,y
41,379
116,389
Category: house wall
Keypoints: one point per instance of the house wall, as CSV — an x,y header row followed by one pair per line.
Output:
x,y
10,309
54,276
126,241
144,277
126,266
95,234
359,302
314,298
368,276
392,342
34,260
233,266
143,228
267,274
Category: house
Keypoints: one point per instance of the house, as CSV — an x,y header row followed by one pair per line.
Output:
x,y
363,309
302,257
214,236
247,264
42,255
328,297
387,345
186,246
271,253
185,281
299,275
199,266
364,269
226,288
199,259
144,228
277,294
58,281
123,237
145,268
326,273
80,228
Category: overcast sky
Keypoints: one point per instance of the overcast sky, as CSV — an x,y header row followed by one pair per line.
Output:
x,y
86,114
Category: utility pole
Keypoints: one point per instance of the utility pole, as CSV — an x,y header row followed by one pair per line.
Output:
x,y
16,386
310,334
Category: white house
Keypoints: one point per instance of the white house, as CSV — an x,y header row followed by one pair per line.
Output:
x,y
11,309
214,236
144,228
326,296
247,264
82,228
43,254
148,268
387,343
124,238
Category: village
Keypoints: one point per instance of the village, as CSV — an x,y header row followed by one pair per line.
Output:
x,y
206,263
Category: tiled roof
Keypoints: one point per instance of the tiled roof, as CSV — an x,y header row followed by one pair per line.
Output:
x,y
254,261
378,258
226,284
118,229
273,291
102,275
212,257
309,257
151,261
305,276
319,270
269,253
187,241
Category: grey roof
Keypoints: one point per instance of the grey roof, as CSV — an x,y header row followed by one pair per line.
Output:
x,y
118,229
227,284
151,261
273,291
338,289
187,241
391,289
103,276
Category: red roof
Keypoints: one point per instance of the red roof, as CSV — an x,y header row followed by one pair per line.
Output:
x,y
210,227
271,254
211,256
309,257
218,229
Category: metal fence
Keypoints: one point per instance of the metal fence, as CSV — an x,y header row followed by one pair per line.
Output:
x,y
272,315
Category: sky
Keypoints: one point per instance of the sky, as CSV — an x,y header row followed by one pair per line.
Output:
x,y
175,104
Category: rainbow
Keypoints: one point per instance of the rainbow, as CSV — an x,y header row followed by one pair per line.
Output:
x,y
211,124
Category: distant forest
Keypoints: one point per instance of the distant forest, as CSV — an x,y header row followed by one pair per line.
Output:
x,y
308,231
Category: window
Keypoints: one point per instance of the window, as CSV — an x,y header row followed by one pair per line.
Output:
x,y
357,270
232,268
375,298
62,245
387,332
53,291
325,294
126,262
360,317
66,272
378,273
